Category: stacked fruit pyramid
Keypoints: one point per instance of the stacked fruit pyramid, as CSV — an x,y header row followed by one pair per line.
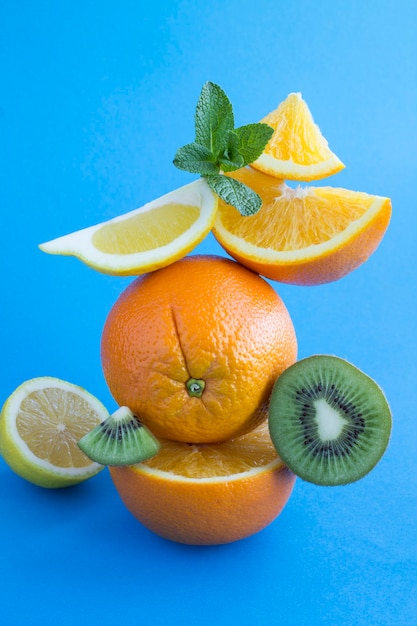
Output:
x,y
216,416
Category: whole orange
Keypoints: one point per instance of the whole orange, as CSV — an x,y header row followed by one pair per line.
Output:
x,y
194,349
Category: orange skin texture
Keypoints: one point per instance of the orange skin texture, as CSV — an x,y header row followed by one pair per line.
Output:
x,y
331,265
206,318
200,512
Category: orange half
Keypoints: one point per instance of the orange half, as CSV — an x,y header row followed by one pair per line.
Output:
x,y
304,235
207,493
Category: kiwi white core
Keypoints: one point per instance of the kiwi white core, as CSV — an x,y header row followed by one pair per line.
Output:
x,y
329,421
121,414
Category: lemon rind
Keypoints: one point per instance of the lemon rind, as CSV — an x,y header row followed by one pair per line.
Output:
x,y
26,456
79,243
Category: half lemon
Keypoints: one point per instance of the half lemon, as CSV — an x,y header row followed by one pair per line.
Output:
x,y
40,424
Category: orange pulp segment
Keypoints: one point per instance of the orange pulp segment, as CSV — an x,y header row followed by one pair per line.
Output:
x,y
297,150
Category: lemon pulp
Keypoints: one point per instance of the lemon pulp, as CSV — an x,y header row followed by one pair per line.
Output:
x,y
145,231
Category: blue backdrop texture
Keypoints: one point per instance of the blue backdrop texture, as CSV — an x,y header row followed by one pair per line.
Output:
x,y
95,99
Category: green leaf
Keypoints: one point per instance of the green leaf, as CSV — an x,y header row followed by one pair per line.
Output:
x,y
213,118
252,140
231,159
233,192
195,159
219,146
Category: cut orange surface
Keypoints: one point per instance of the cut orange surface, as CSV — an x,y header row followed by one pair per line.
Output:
x,y
40,424
146,239
207,494
304,235
195,348
297,150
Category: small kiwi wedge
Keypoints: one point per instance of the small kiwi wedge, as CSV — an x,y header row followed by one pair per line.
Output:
x,y
121,439
329,422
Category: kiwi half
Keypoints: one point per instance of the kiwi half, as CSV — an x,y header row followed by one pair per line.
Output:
x,y
120,440
329,422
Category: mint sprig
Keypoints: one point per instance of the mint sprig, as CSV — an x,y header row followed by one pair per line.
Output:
x,y
219,147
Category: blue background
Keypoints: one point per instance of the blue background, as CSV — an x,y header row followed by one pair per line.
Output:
x,y
95,99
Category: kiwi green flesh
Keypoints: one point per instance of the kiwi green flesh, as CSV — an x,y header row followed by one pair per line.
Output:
x,y
121,439
329,421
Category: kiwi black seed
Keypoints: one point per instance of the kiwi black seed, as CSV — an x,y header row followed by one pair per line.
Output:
x,y
329,422
120,440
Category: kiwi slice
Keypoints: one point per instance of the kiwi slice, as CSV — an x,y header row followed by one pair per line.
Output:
x,y
120,440
329,422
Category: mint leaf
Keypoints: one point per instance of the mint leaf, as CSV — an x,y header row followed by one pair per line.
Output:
x,y
195,159
213,118
220,146
231,159
233,192
252,140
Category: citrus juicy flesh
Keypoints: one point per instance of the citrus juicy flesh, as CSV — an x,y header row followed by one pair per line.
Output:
x,y
226,459
304,235
297,149
51,423
40,424
295,218
144,232
296,135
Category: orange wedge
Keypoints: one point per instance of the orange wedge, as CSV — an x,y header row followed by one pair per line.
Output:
x,y
207,493
297,150
303,236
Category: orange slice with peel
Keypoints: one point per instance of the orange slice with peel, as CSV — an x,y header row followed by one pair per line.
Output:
x,y
207,493
297,150
304,235
146,239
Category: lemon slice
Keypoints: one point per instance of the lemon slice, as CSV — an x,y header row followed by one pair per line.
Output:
x,y
146,239
40,424
297,150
